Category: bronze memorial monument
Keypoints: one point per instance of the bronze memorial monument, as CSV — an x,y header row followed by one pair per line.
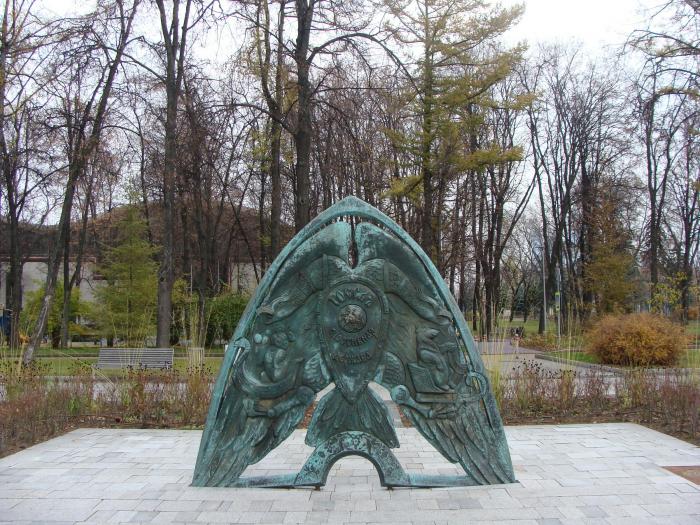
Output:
x,y
350,300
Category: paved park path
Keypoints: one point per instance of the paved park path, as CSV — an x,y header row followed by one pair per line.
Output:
x,y
605,473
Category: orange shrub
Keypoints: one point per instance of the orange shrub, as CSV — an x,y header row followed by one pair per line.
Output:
x,y
636,340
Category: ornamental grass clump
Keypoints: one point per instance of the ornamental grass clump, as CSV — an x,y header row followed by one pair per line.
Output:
x,y
546,342
641,339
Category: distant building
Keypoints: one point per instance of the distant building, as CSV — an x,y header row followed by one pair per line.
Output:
x,y
236,267
34,276
240,278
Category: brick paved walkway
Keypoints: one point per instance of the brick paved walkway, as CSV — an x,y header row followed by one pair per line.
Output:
x,y
606,473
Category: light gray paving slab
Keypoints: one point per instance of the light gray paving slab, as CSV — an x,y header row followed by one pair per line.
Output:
x,y
605,473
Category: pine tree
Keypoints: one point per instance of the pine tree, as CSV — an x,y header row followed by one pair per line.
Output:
x,y
457,63
126,302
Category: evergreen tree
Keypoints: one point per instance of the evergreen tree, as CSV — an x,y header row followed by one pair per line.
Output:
x,y
127,301
457,63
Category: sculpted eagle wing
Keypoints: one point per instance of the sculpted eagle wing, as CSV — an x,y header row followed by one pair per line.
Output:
x,y
459,429
430,363
273,368
271,385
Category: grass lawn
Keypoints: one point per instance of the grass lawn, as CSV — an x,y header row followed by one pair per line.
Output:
x,y
693,330
78,351
689,359
64,366
531,326
573,355
93,351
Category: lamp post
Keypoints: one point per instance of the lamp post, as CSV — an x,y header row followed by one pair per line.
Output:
x,y
544,291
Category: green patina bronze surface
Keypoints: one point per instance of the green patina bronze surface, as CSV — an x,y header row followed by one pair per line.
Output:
x,y
348,302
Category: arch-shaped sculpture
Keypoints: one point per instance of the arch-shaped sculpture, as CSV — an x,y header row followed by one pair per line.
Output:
x,y
349,303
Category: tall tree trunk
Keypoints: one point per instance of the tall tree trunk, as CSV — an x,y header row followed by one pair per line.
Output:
x,y
587,199
9,162
276,146
303,130
262,227
175,43
428,237
276,189
77,271
166,271
65,316
53,264
15,282
275,101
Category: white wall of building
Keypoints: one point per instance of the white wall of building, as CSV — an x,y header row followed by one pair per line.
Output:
x,y
34,277
243,278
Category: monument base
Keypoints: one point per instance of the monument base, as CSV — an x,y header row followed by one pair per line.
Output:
x,y
314,473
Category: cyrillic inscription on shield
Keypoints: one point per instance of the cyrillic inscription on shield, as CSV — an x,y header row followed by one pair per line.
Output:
x,y
352,317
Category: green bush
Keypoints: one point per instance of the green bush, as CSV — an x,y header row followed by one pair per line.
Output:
x,y
225,311
641,339
33,303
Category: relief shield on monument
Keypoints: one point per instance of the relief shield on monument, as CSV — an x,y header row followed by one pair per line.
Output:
x,y
352,318
349,302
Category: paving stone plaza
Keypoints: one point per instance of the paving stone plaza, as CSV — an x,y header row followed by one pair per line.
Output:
x,y
599,473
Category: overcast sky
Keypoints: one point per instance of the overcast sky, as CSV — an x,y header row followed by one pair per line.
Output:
x,y
595,23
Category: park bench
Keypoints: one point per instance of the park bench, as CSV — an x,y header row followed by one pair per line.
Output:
x,y
135,358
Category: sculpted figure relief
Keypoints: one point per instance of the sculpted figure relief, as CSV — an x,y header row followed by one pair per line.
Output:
x,y
318,318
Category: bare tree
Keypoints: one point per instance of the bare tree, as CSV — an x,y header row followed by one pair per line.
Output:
x,y
87,131
672,40
666,96
659,113
25,70
575,129
683,220
176,24
211,142
269,42
502,191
